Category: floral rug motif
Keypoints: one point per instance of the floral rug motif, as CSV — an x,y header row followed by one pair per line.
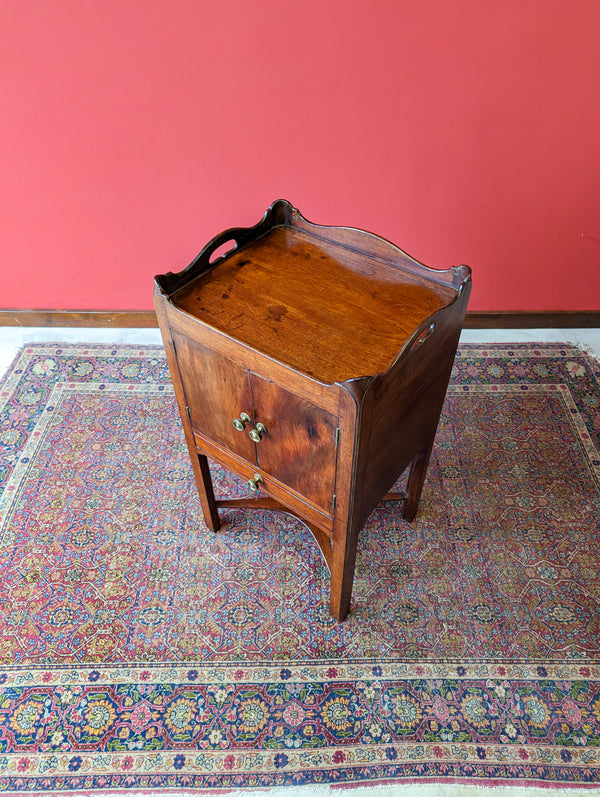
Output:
x,y
139,651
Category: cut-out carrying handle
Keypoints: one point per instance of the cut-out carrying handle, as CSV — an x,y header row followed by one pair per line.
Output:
x,y
424,335
228,241
220,247
223,245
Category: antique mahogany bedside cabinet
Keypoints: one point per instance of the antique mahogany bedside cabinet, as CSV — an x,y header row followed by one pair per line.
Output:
x,y
313,362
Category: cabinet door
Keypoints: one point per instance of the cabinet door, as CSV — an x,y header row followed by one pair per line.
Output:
x,y
217,391
299,446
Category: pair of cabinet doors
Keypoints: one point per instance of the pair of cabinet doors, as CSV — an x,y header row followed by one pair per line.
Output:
x,y
293,440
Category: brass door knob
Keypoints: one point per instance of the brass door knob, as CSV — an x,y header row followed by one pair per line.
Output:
x,y
241,422
257,433
254,483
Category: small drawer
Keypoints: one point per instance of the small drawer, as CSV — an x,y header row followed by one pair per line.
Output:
x,y
266,484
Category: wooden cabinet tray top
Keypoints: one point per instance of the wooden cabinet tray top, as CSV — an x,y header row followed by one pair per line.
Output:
x,y
313,362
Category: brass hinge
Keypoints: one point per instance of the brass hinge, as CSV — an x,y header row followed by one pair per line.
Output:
x,y
337,436
189,414
174,347
334,502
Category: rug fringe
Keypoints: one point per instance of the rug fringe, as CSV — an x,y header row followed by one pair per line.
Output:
x,y
370,790
411,789
586,348
445,790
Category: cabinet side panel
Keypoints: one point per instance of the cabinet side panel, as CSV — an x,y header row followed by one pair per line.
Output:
x,y
406,405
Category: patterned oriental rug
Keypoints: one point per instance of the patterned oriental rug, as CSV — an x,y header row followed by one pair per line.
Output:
x,y
139,651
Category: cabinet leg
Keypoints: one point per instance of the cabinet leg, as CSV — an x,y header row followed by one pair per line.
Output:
x,y
416,480
206,492
343,562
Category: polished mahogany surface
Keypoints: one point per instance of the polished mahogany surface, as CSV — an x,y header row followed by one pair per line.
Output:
x,y
323,309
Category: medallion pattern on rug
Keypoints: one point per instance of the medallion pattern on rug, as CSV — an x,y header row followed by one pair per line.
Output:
x,y
140,650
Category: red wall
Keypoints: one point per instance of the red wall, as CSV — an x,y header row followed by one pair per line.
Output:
x,y
134,130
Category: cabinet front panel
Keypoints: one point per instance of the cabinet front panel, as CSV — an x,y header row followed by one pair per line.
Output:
x,y
217,392
299,446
